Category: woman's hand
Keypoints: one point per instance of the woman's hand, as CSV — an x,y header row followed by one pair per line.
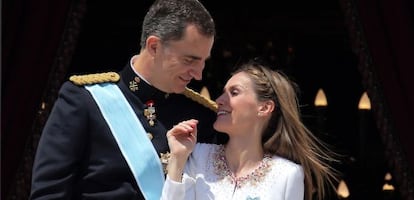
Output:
x,y
181,140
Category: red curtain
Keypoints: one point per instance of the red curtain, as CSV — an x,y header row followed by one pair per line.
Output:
x,y
382,35
32,32
389,32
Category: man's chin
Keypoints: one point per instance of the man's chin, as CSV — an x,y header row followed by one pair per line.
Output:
x,y
179,90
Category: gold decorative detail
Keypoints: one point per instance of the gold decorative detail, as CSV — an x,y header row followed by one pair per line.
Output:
x,y
223,171
197,97
165,157
150,136
89,79
150,112
133,85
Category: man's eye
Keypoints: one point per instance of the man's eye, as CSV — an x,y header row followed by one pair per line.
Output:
x,y
188,61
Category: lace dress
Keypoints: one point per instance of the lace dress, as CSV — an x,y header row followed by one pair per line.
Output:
x,y
206,176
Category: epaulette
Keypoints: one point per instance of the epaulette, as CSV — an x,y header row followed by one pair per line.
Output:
x,y
88,79
197,97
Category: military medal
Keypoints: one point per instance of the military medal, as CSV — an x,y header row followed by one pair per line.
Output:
x,y
150,112
165,157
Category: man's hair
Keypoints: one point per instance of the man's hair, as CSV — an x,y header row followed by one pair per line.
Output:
x,y
167,19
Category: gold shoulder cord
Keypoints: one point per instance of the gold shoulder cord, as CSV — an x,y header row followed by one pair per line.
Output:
x,y
197,97
114,77
95,78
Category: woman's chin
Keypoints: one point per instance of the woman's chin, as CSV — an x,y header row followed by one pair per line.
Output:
x,y
219,126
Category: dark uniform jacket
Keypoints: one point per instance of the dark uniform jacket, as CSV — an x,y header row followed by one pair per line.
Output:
x,y
78,157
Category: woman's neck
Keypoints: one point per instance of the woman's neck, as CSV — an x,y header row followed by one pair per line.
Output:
x,y
243,158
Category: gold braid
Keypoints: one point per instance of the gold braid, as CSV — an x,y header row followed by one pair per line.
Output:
x,y
197,97
114,77
94,78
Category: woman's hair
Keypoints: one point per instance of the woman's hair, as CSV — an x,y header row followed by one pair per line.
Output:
x,y
285,134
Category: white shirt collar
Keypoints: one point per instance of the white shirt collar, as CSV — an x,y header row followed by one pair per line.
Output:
x,y
131,63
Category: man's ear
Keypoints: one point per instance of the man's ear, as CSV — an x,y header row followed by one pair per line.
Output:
x,y
152,44
266,108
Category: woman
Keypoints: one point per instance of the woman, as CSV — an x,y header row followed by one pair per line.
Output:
x,y
270,154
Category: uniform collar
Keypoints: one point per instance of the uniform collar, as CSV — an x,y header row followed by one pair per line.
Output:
x,y
144,91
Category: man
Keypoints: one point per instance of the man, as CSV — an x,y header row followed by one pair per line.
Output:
x,y
106,131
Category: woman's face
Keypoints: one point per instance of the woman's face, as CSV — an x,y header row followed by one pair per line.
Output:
x,y
238,106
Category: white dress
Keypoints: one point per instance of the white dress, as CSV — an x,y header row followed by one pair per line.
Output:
x,y
206,176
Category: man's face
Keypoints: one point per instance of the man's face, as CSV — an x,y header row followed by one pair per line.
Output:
x,y
178,62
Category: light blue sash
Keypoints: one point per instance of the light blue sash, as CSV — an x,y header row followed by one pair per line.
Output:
x,y
131,137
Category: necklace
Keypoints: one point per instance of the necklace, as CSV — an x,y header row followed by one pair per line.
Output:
x,y
223,171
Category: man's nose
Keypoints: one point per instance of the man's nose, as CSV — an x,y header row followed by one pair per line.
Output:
x,y
197,73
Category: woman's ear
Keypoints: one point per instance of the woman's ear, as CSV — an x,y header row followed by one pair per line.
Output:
x,y
266,108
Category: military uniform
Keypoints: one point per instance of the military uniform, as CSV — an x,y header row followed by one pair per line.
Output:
x,y
78,157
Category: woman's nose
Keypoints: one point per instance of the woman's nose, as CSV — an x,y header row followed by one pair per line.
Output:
x,y
220,100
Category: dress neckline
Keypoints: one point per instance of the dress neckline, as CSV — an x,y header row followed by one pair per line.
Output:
x,y
222,169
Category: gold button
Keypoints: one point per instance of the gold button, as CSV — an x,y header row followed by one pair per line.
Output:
x,y
150,136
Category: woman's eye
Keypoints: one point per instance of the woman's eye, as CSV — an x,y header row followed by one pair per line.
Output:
x,y
234,92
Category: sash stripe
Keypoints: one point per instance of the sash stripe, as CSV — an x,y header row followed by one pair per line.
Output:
x,y
131,137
